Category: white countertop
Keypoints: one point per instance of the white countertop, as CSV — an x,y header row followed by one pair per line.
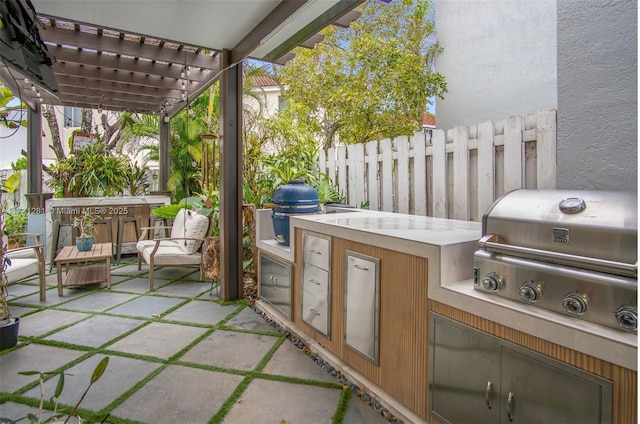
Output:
x,y
449,245
111,200
421,229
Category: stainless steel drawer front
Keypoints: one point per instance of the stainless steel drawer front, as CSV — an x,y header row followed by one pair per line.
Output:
x,y
362,304
315,312
315,281
275,283
316,251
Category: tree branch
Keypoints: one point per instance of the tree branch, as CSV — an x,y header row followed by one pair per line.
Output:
x,y
56,145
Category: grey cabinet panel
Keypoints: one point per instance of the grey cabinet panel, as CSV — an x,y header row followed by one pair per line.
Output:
x,y
275,283
466,376
526,387
362,304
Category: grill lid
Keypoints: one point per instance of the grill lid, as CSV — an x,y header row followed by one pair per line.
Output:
x,y
592,229
296,193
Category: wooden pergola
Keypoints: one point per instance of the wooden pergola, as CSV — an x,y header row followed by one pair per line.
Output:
x,y
153,56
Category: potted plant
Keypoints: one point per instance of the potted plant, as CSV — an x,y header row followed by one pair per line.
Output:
x,y
9,325
85,223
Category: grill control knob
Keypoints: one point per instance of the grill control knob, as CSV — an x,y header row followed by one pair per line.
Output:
x,y
575,303
627,317
530,292
492,283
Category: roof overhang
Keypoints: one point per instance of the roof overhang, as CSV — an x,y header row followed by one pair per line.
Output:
x,y
133,55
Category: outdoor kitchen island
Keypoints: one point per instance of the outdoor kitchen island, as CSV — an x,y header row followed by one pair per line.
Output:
x,y
366,289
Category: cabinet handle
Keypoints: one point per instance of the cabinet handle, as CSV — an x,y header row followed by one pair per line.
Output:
x,y
488,394
511,403
364,268
314,281
274,282
314,311
317,252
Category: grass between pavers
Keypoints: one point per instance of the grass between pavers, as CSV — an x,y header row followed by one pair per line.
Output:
x,y
98,416
343,404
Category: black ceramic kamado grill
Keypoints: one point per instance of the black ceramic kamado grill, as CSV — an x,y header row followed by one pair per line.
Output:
x,y
568,251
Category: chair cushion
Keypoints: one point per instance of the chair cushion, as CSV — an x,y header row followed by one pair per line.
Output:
x,y
189,224
143,244
22,254
169,253
21,268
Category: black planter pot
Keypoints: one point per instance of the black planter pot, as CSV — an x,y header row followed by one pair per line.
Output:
x,y
9,334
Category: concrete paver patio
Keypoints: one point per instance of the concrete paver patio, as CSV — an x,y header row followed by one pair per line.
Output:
x,y
176,355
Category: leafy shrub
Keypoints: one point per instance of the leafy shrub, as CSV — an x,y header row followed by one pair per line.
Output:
x,y
170,211
16,221
137,179
91,172
19,164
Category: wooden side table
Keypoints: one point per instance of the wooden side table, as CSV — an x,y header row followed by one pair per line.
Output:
x,y
90,274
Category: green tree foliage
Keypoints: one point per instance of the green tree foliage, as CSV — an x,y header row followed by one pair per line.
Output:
x,y
6,118
370,81
185,148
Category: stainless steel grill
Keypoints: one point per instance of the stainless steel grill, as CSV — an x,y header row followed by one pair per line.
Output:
x,y
568,251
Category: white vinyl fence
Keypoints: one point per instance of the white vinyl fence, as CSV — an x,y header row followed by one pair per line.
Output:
x,y
454,174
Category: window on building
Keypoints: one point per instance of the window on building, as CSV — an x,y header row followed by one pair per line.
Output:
x,y
72,117
282,103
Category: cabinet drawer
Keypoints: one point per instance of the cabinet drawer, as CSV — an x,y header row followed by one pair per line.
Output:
x,y
315,312
316,251
275,283
315,281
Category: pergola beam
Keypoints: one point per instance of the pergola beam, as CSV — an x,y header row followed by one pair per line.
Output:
x,y
115,75
340,9
144,66
124,47
269,24
111,104
128,93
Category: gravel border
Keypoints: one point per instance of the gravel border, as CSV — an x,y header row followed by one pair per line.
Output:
x,y
357,391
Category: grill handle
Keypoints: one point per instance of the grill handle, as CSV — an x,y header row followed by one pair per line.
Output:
x,y
492,243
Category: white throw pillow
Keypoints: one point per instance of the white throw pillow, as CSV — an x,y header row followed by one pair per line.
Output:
x,y
189,224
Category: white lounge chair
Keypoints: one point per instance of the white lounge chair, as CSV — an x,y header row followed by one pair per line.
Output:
x,y
26,261
182,249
